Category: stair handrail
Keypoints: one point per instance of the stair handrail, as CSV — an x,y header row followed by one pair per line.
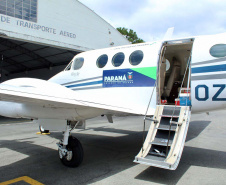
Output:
x,y
188,65
146,116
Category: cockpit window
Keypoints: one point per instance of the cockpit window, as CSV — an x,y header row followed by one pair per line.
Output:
x,y
68,67
78,63
118,59
102,61
136,57
218,50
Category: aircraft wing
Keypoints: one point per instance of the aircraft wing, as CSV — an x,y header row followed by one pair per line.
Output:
x,y
46,94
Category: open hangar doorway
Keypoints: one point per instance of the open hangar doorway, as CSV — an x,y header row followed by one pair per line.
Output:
x,y
33,60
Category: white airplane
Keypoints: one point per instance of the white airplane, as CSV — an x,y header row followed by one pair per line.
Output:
x,y
166,79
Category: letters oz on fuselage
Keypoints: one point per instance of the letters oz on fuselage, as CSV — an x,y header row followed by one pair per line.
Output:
x,y
205,95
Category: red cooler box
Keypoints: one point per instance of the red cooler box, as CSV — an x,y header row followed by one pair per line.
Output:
x,y
177,101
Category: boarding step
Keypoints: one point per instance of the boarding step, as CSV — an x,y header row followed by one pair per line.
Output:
x,y
164,142
161,141
166,120
158,150
155,158
169,116
167,127
164,134
153,161
171,111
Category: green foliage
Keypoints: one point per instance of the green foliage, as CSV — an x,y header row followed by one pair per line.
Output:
x,y
130,35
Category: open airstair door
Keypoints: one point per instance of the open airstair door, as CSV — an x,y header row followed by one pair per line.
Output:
x,y
166,137
165,140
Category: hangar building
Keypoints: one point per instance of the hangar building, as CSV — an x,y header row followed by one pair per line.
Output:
x,y
38,38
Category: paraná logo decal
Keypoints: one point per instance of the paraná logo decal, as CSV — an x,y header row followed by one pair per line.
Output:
x,y
130,75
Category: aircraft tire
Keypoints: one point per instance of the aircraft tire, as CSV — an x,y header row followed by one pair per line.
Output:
x,y
42,129
76,153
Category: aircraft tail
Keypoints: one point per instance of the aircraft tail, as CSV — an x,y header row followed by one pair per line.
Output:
x,y
169,33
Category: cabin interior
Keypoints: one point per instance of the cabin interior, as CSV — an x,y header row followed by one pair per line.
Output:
x,y
174,70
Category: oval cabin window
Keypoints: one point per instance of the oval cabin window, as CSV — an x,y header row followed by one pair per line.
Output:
x,y
136,57
118,59
102,61
78,63
218,50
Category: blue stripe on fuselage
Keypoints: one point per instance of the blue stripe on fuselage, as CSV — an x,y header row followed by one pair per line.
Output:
x,y
85,84
207,69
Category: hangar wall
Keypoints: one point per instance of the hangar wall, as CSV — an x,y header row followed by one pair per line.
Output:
x,y
65,25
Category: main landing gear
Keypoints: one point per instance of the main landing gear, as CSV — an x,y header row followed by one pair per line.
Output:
x,y
70,149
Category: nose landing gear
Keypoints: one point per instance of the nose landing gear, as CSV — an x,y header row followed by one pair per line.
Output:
x,y
42,130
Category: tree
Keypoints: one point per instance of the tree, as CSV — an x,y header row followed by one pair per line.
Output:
x,y
130,35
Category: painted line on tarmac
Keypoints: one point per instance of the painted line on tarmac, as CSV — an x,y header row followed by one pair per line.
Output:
x,y
24,178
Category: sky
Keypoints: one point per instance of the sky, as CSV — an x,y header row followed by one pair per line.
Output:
x,y
150,19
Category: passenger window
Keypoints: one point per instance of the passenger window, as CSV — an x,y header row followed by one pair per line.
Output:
x,y
78,63
102,61
218,50
136,57
118,59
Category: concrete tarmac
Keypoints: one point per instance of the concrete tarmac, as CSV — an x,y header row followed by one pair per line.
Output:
x,y
28,158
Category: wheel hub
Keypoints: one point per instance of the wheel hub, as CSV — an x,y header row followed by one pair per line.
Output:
x,y
69,155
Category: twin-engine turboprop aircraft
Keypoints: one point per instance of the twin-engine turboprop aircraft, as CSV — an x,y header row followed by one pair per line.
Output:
x,y
163,81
